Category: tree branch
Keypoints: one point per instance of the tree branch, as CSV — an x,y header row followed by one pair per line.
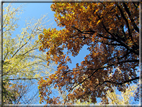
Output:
x,y
114,38
125,21
25,78
133,22
77,29
19,49
113,44
6,54
33,56
119,83
102,68
119,58
29,51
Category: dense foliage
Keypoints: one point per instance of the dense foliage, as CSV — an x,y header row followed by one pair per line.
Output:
x,y
111,32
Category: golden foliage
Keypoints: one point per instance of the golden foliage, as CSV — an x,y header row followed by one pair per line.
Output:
x,y
111,32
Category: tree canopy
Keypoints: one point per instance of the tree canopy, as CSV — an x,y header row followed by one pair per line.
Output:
x,y
123,98
111,32
23,64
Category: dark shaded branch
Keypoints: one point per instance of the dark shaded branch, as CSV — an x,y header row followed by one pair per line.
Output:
x,y
74,35
123,38
117,83
119,41
84,32
135,26
133,22
122,14
136,6
102,68
77,29
120,83
113,39
113,44
119,58
6,54
127,47
106,37
135,60
113,36
106,29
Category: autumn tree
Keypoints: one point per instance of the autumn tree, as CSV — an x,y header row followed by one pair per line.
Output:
x,y
123,97
22,63
111,32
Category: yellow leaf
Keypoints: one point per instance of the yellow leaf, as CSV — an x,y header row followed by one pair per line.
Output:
x,y
98,22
